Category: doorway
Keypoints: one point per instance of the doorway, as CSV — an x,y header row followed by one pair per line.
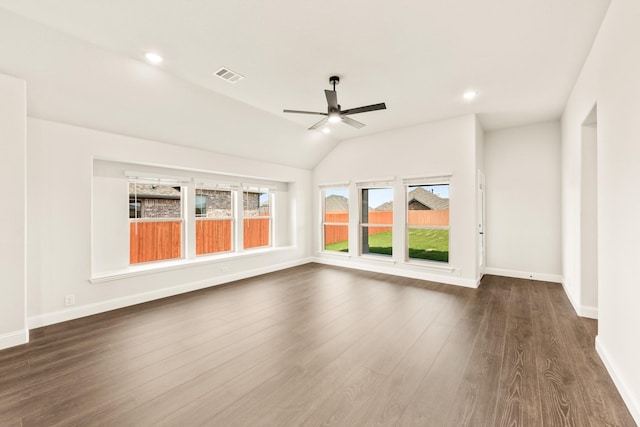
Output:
x,y
480,212
589,217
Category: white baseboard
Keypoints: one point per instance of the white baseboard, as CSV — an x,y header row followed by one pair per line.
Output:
x,y
581,310
113,304
395,271
633,404
13,339
524,275
589,312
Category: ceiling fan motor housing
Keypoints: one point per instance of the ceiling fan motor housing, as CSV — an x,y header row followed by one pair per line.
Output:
x,y
334,112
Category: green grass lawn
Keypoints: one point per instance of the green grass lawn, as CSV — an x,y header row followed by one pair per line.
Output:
x,y
423,244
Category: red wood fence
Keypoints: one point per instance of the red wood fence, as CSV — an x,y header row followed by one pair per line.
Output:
x,y
256,232
340,233
213,235
435,218
153,241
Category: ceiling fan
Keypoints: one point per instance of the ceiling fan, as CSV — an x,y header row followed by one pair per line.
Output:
x,y
334,113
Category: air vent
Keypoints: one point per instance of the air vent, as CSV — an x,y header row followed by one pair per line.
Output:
x,y
228,75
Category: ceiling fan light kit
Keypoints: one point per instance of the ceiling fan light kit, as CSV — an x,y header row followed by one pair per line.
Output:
x,y
335,113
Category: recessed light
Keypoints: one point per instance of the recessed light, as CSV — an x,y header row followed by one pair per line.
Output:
x,y
326,130
153,58
470,95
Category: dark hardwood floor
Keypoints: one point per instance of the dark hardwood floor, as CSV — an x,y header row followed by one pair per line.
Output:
x,y
319,346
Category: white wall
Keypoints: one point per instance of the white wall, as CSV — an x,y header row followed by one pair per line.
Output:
x,y
610,79
59,190
75,82
523,202
589,223
13,329
437,148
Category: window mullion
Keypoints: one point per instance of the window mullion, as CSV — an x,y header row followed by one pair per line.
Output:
x,y
239,225
189,215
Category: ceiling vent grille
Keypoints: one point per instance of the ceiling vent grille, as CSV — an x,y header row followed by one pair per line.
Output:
x,y
228,75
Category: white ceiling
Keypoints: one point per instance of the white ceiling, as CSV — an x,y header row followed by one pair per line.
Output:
x,y
418,56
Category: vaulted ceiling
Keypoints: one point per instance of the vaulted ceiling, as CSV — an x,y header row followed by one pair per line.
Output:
x,y
521,57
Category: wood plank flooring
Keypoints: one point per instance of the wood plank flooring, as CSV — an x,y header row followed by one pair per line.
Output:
x,y
319,346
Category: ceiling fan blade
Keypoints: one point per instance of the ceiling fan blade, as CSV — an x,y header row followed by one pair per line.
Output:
x,y
373,107
332,99
351,122
304,112
320,123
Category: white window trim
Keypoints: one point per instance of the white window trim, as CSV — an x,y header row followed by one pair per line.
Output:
x,y
165,181
373,185
216,186
256,189
323,188
189,184
417,182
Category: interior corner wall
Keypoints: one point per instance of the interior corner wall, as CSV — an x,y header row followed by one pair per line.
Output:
x,y
13,115
59,252
431,149
480,204
523,202
609,79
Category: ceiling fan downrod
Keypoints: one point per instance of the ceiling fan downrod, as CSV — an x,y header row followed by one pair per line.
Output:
x,y
334,80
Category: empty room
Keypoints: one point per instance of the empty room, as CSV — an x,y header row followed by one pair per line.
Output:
x,y
320,214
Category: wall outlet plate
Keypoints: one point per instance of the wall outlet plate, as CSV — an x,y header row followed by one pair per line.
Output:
x,y
69,300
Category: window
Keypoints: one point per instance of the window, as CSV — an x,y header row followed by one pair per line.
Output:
x,y
214,221
428,222
335,219
147,218
155,222
376,221
256,208
201,205
134,208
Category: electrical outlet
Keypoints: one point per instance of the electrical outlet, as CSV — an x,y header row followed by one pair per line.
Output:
x,y
69,300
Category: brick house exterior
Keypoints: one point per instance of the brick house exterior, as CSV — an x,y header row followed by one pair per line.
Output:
x,y
163,201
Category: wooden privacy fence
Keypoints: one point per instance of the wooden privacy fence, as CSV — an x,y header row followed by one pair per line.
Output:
x,y
340,233
213,235
433,218
155,241
256,232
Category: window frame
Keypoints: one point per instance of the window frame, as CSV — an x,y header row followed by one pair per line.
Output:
x,y
427,182
203,217
270,216
139,219
362,225
324,223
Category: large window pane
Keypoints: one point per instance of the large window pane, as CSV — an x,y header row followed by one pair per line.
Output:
x,y
428,222
376,221
336,219
155,229
214,223
257,219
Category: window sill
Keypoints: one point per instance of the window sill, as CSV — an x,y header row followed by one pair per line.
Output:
x,y
335,253
431,264
380,258
161,266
